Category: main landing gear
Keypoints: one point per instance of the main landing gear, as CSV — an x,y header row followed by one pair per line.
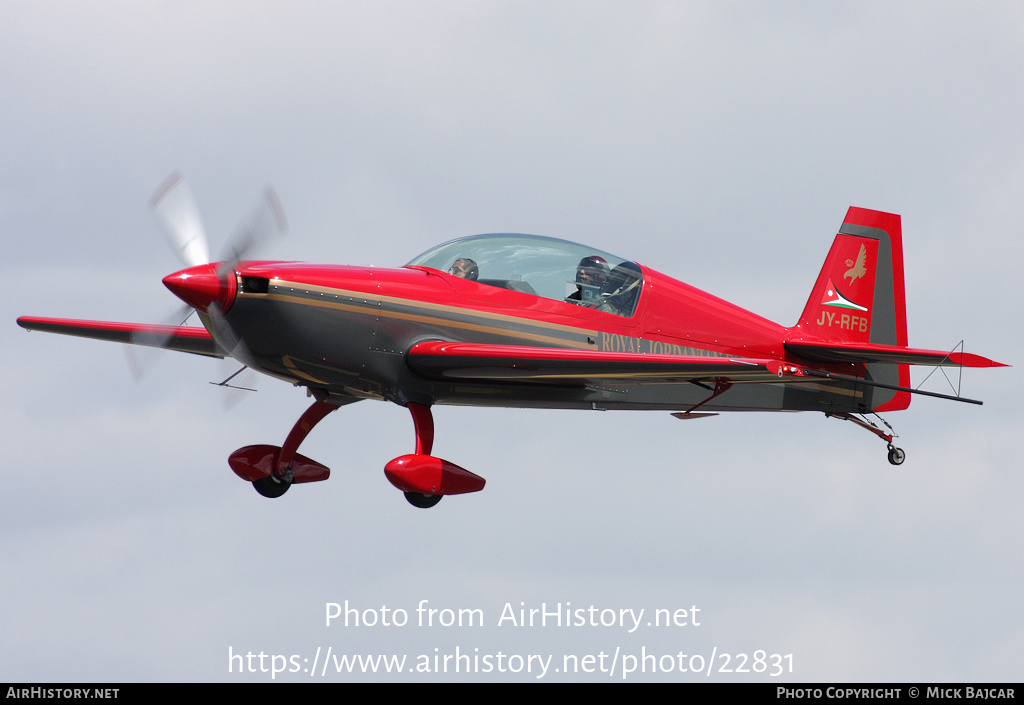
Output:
x,y
423,478
272,470
896,455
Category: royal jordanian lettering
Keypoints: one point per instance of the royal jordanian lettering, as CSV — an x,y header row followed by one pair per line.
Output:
x,y
613,342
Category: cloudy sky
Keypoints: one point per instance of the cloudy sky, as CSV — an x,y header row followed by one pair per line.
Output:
x,y
719,142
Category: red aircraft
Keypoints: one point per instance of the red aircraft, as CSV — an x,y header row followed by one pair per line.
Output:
x,y
531,322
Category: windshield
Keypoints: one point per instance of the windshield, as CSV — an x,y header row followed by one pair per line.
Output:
x,y
544,266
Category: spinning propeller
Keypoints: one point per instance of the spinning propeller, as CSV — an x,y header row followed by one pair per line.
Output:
x,y
210,287
176,209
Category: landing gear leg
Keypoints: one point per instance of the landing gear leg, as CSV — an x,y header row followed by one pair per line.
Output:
x,y
281,476
423,420
896,455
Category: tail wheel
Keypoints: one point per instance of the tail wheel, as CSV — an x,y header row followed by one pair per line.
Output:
x,y
423,501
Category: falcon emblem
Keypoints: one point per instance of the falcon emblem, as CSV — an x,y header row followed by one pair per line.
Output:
x,y
859,269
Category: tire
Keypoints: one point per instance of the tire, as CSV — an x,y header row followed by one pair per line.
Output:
x,y
271,487
423,501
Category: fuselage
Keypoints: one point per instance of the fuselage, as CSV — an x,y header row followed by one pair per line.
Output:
x,y
345,330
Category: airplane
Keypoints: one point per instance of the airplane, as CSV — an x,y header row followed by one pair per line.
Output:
x,y
524,321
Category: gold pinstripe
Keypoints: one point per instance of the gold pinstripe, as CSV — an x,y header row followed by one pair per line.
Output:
x,y
427,305
436,320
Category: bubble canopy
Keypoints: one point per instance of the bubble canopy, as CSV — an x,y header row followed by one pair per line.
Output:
x,y
543,266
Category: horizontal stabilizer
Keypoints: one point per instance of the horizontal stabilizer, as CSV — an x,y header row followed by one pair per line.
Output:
x,y
835,351
190,339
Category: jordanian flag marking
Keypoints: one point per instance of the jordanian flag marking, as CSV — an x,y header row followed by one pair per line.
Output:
x,y
832,297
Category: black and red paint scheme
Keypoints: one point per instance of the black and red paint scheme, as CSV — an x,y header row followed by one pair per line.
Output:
x,y
525,334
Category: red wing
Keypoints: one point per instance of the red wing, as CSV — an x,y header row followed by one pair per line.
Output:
x,y
189,339
444,360
833,351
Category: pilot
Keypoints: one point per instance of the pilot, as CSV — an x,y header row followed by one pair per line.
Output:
x,y
621,290
464,268
591,275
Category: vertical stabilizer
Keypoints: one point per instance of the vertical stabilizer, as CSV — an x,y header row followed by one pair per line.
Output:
x,y
860,296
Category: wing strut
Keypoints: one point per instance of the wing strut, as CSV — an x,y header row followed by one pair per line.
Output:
x,y
784,369
809,372
959,370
